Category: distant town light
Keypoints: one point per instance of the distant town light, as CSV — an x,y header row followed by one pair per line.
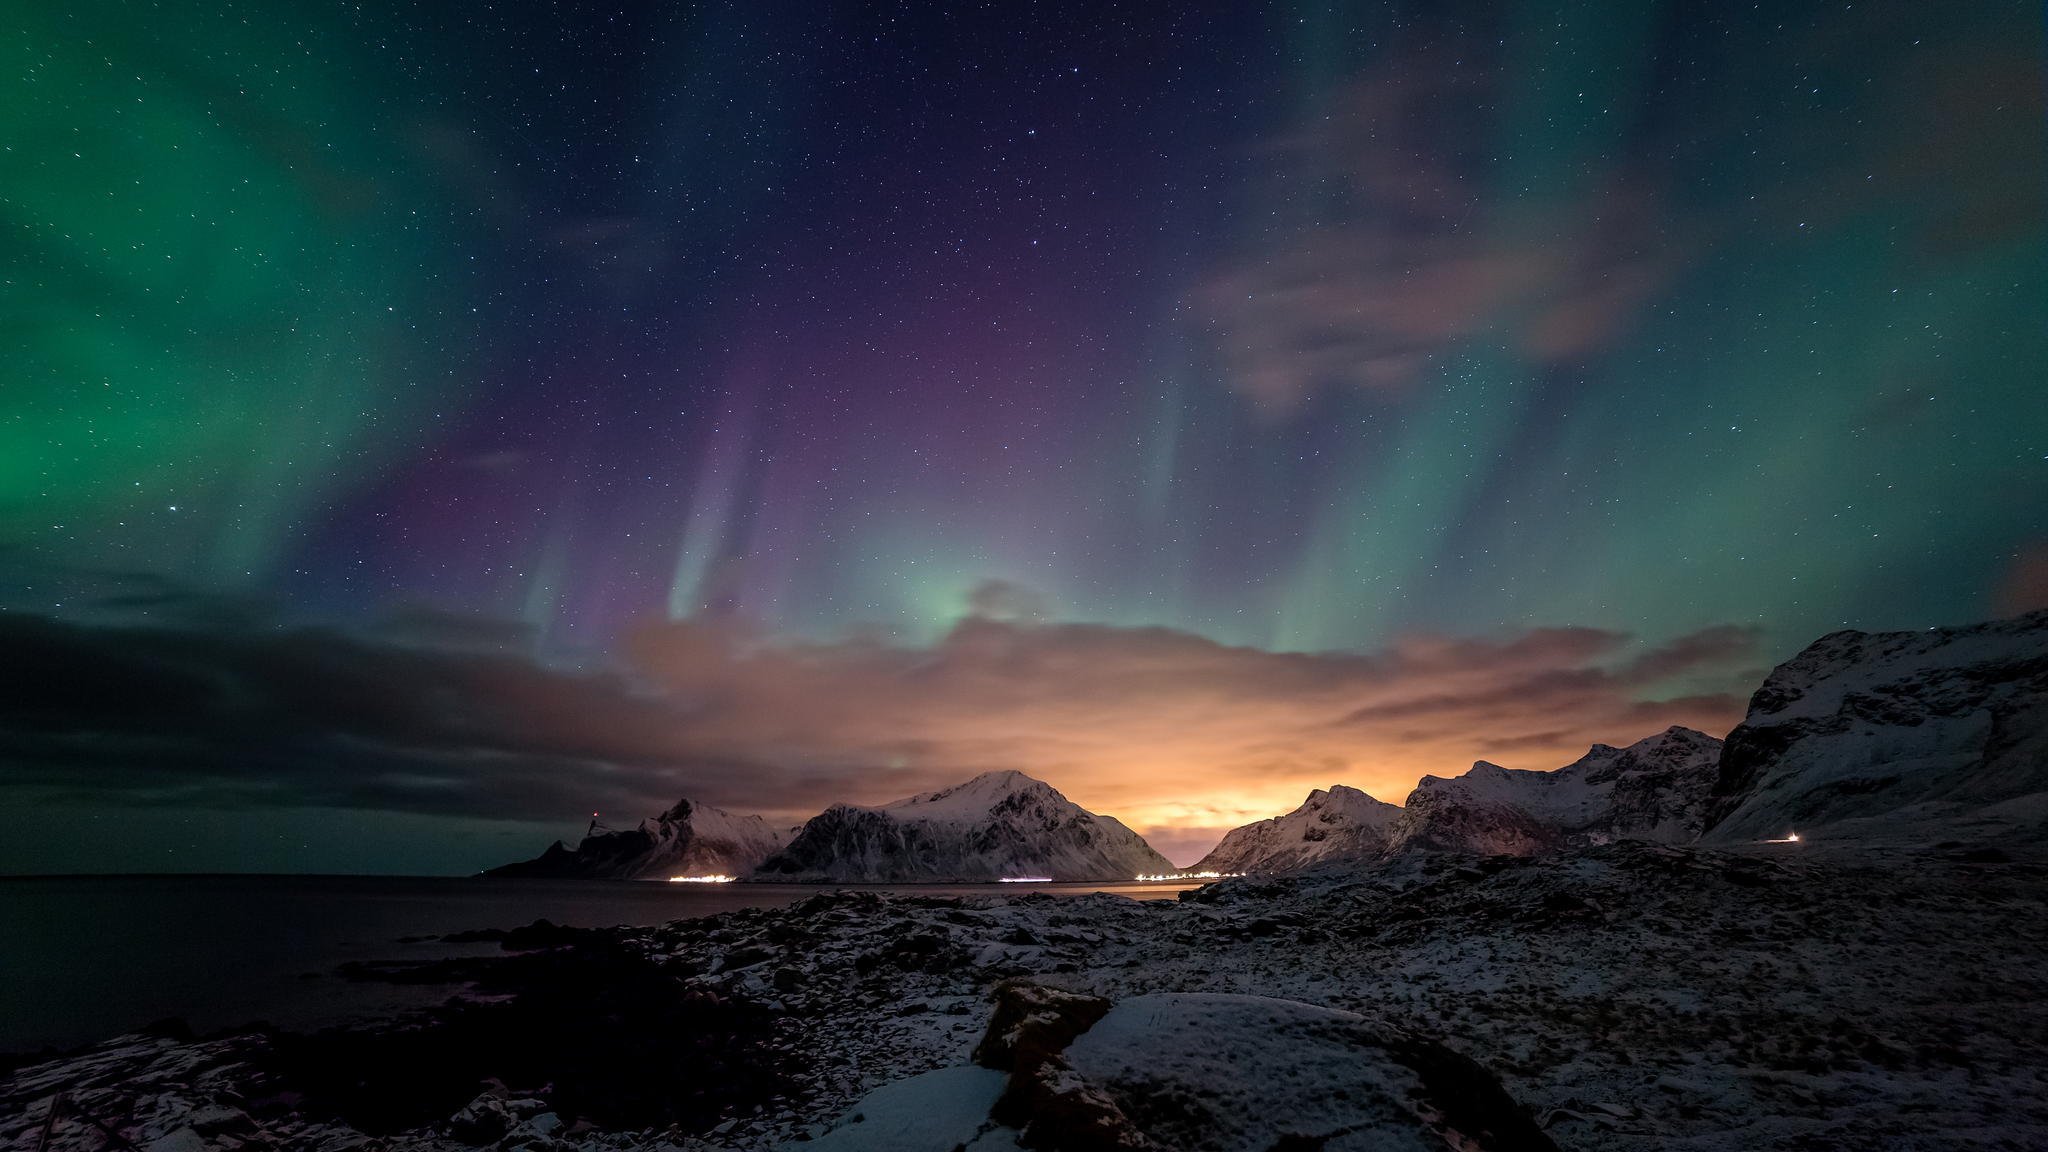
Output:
x,y
1023,879
1171,876
702,879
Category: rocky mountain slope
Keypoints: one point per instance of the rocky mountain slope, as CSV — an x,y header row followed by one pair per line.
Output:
x,y
687,840
1340,823
1654,789
998,825
1896,731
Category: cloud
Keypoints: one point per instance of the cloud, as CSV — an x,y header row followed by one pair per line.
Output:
x,y
1404,254
1172,732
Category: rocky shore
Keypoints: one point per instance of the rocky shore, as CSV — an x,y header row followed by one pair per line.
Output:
x,y
1628,996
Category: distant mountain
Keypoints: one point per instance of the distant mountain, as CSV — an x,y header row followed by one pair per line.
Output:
x,y
997,825
1341,823
687,840
1921,728
1654,789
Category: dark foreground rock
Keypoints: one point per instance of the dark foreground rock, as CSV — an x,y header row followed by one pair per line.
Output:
x,y
1225,1073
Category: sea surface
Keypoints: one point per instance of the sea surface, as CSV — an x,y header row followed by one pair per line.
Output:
x,y
83,958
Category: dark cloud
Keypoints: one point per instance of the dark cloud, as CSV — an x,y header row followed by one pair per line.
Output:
x,y
1170,731
268,717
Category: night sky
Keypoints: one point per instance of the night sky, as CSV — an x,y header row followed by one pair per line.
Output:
x,y
423,426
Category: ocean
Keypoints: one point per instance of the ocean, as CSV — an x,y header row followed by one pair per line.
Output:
x,y
83,958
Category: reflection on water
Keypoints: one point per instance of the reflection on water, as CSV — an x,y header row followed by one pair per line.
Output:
x,y
82,958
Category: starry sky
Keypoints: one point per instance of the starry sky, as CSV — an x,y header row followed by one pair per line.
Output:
x,y
422,425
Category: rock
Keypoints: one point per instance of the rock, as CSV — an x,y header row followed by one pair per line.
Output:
x,y
186,1139
748,955
1213,1072
216,1119
484,1120
1032,1021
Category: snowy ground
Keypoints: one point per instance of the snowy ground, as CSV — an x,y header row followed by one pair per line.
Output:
x,y
1630,997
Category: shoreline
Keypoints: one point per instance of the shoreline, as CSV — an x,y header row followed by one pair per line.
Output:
x,y
1627,997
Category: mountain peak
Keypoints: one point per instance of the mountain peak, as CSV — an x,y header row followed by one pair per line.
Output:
x,y
1334,823
972,797
997,825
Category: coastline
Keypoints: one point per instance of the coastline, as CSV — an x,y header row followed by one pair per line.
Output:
x,y
1628,997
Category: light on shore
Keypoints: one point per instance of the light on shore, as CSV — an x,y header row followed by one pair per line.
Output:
x,y
1023,879
1787,838
702,879
1170,876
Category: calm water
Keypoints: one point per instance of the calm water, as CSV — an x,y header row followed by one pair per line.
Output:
x,y
83,958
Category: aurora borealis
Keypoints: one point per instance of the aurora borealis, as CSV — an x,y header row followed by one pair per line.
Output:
x,y
1302,362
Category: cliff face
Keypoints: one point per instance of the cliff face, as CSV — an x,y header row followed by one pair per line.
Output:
x,y
687,840
998,825
1890,727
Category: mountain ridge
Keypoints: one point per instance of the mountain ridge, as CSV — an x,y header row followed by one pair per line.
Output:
x,y
995,826
688,839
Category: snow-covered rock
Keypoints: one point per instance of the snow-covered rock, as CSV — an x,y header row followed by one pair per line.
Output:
x,y
1337,824
689,839
1228,1073
1897,727
997,825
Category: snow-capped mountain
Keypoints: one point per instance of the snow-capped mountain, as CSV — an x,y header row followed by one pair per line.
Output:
x,y
1654,789
687,840
997,825
1337,824
1922,726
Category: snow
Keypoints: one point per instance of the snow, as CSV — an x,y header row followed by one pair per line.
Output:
x,y
971,800
936,1112
1251,1070
1332,824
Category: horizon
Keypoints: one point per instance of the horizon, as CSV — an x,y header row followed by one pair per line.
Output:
x,y
1192,844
